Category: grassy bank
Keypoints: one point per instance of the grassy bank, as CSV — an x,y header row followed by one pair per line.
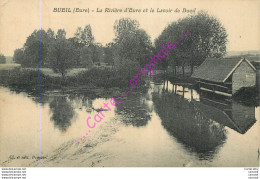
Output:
x,y
103,82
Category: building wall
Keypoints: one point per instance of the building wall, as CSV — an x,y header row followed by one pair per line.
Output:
x,y
243,76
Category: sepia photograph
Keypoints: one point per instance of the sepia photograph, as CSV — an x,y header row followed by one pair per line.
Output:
x,y
138,83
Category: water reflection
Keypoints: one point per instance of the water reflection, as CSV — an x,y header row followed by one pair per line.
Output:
x,y
231,114
168,125
188,125
198,121
62,112
135,110
81,101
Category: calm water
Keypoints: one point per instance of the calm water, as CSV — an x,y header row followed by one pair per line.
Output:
x,y
169,125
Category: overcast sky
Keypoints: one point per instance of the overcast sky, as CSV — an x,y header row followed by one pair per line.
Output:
x,y
18,19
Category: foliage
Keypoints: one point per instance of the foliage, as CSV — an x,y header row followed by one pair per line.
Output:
x,y
91,54
97,52
86,57
36,48
61,55
47,49
208,38
2,59
97,77
61,34
125,24
77,47
132,47
248,96
19,56
109,53
62,112
85,36
31,80
89,51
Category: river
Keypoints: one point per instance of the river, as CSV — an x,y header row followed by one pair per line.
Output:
x,y
168,126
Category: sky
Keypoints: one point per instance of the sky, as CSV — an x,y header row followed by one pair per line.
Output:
x,y
19,18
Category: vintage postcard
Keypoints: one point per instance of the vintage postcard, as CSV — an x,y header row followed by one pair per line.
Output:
x,y
141,83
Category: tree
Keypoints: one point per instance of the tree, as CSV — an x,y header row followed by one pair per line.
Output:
x,y
86,57
109,53
85,36
164,37
61,34
19,56
61,56
84,42
98,52
208,39
125,24
77,47
50,34
36,48
132,46
2,59
91,54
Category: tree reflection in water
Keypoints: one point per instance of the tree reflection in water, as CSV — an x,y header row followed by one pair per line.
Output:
x,y
81,101
187,124
134,110
62,112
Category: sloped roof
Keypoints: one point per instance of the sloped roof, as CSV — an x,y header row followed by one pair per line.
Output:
x,y
218,70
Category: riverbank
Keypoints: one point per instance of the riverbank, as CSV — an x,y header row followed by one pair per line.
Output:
x,y
96,82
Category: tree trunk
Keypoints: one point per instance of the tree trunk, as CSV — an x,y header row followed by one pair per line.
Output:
x,y
62,78
183,70
191,68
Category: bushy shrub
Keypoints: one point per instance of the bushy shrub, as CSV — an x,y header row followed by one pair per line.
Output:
x,y
32,79
248,96
99,78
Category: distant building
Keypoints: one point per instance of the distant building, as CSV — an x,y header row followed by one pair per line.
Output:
x,y
225,76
